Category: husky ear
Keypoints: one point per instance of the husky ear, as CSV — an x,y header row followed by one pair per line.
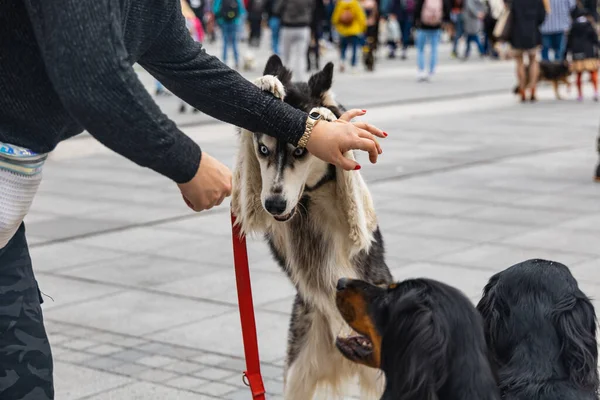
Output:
x,y
575,321
275,67
321,82
247,186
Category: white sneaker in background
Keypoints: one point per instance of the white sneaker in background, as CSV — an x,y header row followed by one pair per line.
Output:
x,y
422,76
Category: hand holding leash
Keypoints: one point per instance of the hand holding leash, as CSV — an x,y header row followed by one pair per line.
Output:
x,y
209,187
330,140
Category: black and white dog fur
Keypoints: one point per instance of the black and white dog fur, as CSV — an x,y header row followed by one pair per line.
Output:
x,y
321,226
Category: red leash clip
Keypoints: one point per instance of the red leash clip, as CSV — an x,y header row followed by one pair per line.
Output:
x,y
252,376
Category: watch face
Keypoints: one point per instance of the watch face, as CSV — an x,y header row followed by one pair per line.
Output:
x,y
315,115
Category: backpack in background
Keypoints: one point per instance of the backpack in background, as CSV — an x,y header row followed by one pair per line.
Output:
x,y
432,12
230,10
347,17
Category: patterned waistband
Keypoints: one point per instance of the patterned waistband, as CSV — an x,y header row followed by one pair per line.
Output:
x,y
20,160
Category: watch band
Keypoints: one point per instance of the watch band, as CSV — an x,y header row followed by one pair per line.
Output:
x,y
313,119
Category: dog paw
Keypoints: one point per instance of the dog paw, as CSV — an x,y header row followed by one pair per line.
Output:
x,y
326,113
270,83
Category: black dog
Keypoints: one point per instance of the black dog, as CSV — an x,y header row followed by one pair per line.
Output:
x,y
424,335
541,331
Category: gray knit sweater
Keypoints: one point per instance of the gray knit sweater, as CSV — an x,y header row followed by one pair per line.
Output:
x,y
66,66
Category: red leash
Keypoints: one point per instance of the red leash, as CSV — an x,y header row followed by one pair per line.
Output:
x,y
252,376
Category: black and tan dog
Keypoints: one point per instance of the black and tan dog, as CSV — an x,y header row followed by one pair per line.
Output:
x,y
426,337
541,332
555,72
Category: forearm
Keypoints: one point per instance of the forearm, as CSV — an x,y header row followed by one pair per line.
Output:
x,y
86,60
203,81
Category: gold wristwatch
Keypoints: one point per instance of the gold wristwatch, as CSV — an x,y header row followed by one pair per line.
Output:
x,y
313,118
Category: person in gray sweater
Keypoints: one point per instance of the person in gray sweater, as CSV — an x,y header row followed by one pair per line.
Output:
x,y
296,18
67,66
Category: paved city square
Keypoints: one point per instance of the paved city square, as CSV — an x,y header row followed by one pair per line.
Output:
x,y
140,297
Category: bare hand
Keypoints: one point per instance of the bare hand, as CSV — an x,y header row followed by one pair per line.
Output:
x,y
209,187
330,140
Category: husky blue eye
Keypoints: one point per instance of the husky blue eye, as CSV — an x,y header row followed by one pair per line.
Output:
x,y
264,150
299,152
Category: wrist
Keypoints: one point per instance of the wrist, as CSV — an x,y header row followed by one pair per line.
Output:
x,y
312,121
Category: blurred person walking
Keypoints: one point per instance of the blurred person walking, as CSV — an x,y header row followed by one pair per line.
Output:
x,y
456,17
229,14
404,12
274,25
429,17
555,28
473,14
583,48
350,21
525,39
316,32
495,8
296,18
255,8
74,73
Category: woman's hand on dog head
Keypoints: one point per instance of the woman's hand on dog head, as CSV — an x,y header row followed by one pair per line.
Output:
x,y
329,141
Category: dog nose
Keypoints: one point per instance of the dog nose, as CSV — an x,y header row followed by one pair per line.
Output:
x,y
275,205
341,284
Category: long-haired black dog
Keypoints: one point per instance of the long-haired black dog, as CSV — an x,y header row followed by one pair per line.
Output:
x,y
426,337
541,332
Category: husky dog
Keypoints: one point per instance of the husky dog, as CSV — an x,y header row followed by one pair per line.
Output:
x,y
320,224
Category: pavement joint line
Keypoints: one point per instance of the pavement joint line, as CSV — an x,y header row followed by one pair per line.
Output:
x,y
129,287
375,181
149,341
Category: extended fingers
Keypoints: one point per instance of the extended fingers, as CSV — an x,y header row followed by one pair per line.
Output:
x,y
367,135
370,128
348,115
369,146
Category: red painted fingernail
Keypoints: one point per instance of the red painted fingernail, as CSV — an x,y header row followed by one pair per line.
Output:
x,y
385,134
364,110
357,167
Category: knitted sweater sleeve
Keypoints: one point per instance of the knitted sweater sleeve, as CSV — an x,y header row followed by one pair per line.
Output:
x,y
201,80
82,46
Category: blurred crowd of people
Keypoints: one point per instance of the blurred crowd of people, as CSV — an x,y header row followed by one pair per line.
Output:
x,y
299,30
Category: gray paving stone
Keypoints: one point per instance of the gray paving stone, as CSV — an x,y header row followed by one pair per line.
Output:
x,y
463,229
156,375
223,334
104,363
217,389
145,239
553,238
519,216
213,374
221,286
496,257
71,227
408,246
155,361
64,292
74,382
139,270
148,391
188,382
64,255
136,313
